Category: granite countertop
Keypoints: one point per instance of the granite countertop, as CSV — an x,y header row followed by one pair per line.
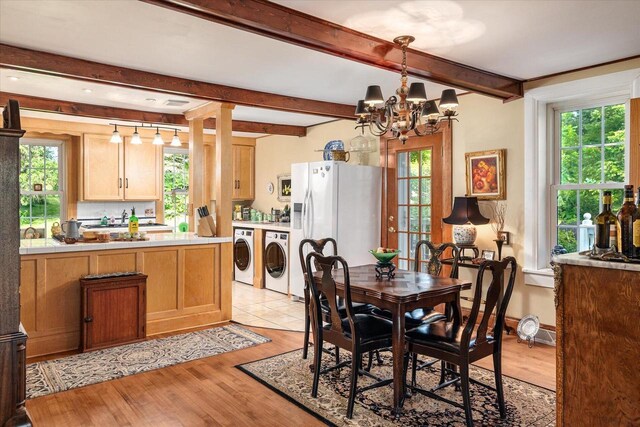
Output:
x,y
276,226
44,246
576,259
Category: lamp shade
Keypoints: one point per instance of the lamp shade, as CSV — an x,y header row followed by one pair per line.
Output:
x,y
430,109
449,99
466,210
374,95
417,93
361,109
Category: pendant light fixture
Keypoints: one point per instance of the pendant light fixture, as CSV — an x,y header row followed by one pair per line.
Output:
x,y
135,138
402,113
157,140
115,136
175,141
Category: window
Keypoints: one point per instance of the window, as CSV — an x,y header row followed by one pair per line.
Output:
x,y
176,186
590,158
41,195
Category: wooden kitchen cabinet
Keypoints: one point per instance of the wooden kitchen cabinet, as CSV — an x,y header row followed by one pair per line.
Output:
x,y
120,171
243,172
113,311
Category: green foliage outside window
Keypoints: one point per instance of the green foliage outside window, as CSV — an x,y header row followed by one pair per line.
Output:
x,y
176,188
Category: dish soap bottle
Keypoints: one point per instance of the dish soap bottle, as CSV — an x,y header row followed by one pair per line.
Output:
x,y
105,219
133,222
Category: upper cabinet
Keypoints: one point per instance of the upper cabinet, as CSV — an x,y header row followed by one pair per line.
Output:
x,y
120,171
243,172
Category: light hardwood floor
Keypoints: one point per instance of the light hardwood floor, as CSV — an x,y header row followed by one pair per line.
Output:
x,y
212,391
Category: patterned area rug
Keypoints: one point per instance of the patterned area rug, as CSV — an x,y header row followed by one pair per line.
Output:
x,y
94,367
289,375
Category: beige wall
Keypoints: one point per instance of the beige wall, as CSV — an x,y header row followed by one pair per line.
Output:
x,y
275,154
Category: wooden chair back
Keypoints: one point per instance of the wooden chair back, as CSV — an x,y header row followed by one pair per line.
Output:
x,y
434,262
496,300
326,288
316,246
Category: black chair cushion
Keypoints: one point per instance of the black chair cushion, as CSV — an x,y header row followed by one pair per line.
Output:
x,y
415,318
440,334
371,328
358,308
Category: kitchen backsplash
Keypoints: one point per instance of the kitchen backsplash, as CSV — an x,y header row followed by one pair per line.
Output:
x,y
88,211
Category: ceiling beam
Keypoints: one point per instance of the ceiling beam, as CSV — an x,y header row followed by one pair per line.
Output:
x,y
18,58
292,26
113,113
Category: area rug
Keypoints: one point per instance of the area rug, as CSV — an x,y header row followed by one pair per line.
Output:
x,y
79,370
289,375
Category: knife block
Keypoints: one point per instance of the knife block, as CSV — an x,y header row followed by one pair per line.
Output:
x,y
206,227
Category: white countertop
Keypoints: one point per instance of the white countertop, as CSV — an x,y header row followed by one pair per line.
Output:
x,y
576,259
45,246
276,226
123,229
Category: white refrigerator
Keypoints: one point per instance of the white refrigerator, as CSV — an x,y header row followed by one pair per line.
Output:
x,y
334,199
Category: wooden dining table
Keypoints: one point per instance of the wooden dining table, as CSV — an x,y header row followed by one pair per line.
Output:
x,y
407,291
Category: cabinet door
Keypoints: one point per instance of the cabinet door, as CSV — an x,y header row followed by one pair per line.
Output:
x,y
142,170
243,172
102,174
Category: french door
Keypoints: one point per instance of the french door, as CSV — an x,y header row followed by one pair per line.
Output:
x,y
417,191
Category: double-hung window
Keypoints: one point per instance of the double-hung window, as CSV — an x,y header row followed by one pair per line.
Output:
x,y
590,157
41,184
176,186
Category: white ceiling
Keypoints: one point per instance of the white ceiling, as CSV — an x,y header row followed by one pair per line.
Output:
x,y
522,39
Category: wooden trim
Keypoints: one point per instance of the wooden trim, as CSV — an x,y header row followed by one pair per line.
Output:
x,y
634,143
115,113
34,61
575,70
281,23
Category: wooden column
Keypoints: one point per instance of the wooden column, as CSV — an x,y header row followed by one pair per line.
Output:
x,y
196,169
634,138
12,337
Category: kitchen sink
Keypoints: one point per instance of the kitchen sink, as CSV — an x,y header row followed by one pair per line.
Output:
x,y
146,224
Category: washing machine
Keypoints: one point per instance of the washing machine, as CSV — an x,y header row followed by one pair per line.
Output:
x,y
276,261
243,255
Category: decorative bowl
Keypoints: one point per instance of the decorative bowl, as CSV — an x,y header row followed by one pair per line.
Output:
x,y
336,144
384,257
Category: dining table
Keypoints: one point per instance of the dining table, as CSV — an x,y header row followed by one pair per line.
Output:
x,y
406,291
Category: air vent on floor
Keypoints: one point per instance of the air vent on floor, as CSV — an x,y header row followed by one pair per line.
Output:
x,y
175,103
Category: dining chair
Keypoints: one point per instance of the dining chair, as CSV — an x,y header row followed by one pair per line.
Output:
x,y
461,344
319,247
356,332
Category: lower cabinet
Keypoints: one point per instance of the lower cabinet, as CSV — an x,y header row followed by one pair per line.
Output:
x,y
113,310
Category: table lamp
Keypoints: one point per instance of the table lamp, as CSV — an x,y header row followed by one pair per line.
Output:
x,y
465,215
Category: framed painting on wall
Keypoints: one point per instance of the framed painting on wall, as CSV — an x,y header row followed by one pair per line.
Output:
x,y
486,174
284,188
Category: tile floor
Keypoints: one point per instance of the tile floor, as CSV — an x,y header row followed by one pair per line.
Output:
x,y
265,308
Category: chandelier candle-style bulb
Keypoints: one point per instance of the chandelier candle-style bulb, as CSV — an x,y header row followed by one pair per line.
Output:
x,y
175,141
115,136
157,140
135,138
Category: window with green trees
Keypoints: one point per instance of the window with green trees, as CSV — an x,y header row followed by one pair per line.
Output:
x,y
41,195
176,186
591,158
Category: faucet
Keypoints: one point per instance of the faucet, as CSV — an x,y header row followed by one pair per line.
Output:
x,y
125,215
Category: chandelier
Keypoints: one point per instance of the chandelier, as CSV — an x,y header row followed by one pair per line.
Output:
x,y
403,113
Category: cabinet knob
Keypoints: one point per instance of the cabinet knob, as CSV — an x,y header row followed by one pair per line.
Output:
x,y
88,319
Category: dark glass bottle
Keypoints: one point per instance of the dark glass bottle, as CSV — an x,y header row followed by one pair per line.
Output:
x,y
626,217
606,225
636,227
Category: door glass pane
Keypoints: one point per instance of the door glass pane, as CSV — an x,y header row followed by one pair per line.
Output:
x,y
591,165
403,264
414,191
414,219
402,165
403,246
402,192
414,163
425,216
241,254
274,260
591,131
425,191
403,215
569,132
426,162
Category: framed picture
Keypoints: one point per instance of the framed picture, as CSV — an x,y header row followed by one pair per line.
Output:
x,y
488,255
284,188
505,236
486,174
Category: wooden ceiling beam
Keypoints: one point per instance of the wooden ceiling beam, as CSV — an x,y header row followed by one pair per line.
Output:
x,y
292,26
114,113
18,58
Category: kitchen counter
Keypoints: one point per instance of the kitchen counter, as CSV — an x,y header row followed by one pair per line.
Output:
x,y
45,246
275,226
581,260
115,228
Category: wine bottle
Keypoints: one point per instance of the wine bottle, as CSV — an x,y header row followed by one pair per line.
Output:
x,y
626,217
133,222
606,225
636,227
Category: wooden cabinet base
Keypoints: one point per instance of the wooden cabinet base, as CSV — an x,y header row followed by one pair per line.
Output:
x,y
13,380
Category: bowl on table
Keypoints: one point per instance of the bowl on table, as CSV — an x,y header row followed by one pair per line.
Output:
x,y
385,257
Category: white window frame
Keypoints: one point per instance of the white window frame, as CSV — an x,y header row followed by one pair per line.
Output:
x,y
539,152
171,150
50,142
